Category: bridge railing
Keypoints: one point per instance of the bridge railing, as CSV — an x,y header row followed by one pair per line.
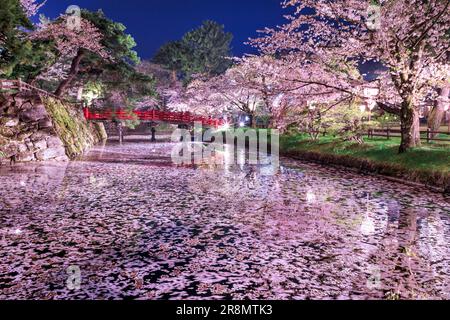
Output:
x,y
152,115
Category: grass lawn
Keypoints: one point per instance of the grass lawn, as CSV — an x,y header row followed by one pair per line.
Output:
x,y
428,158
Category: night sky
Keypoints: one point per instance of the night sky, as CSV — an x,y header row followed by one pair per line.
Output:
x,y
155,22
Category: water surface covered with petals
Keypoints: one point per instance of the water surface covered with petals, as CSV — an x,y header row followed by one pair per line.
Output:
x,y
139,227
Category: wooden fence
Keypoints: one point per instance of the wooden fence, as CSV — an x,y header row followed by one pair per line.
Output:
x,y
21,86
427,135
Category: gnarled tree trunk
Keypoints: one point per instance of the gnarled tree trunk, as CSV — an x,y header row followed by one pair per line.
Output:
x,y
75,67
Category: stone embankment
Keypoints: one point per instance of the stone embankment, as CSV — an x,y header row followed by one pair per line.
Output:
x,y
33,128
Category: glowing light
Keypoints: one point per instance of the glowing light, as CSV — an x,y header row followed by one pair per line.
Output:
x,y
242,124
17,232
225,126
277,100
371,92
362,108
247,118
312,105
422,113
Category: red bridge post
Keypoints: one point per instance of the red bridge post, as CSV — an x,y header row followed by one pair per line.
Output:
x,y
86,112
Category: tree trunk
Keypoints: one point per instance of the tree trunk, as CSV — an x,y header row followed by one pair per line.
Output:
x,y
272,123
252,121
174,76
72,73
437,114
410,126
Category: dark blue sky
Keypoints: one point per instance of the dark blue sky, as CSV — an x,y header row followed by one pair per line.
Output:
x,y
154,22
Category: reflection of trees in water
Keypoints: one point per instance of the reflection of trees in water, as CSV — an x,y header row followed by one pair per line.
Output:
x,y
407,271
297,234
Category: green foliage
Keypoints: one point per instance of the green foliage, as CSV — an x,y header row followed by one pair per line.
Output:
x,y
92,90
134,121
14,49
119,72
38,55
209,47
348,122
205,50
117,42
171,55
385,119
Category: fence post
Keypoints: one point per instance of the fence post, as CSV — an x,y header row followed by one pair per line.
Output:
x,y
428,135
19,85
389,134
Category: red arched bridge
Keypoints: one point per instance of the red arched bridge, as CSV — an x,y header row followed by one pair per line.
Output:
x,y
181,118
152,116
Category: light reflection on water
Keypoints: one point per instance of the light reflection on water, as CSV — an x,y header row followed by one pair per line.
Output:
x,y
140,227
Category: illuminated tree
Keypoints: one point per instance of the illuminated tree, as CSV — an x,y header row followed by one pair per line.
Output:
x,y
74,42
31,7
404,35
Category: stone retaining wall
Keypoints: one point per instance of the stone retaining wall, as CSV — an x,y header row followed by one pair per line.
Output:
x,y
40,129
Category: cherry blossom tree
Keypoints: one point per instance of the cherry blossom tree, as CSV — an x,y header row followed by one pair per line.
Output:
x,y
199,97
281,88
31,7
167,86
259,76
73,43
326,38
233,93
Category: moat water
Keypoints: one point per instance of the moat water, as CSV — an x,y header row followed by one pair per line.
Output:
x,y
125,222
